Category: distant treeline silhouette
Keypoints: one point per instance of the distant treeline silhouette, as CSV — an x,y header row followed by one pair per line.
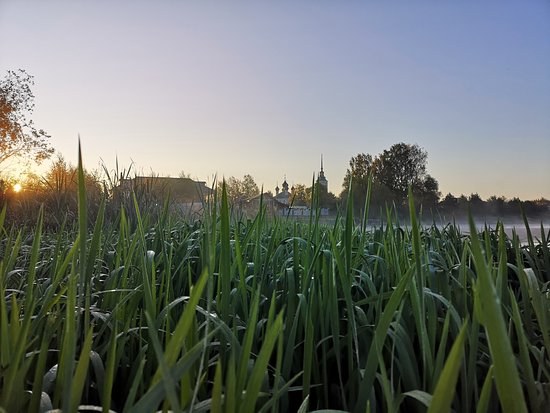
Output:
x,y
384,178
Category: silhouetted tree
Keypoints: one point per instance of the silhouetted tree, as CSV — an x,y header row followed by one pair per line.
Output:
x,y
476,204
449,203
358,175
393,171
495,205
401,166
250,188
56,191
18,135
429,194
513,207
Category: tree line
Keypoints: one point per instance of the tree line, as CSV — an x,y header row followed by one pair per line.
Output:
x,y
388,175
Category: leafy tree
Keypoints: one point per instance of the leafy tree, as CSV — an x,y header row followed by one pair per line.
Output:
x,y
240,190
300,195
513,207
358,171
463,204
18,135
62,178
449,203
327,199
401,166
534,208
393,171
56,190
357,175
249,187
477,204
496,205
429,192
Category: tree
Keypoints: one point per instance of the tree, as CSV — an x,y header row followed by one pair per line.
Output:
x,y
240,190
18,135
513,206
300,195
249,187
357,175
62,177
358,171
463,204
477,205
449,203
57,192
496,205
393,171
401,166
429,193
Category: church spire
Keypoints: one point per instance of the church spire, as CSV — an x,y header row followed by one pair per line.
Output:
x,y
321,179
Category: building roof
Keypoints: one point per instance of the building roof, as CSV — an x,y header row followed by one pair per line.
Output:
x,y
181,189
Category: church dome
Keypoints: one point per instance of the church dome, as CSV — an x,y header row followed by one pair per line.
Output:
x,y
285,185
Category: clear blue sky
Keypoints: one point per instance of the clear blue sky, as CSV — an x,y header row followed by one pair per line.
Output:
x,y
265,88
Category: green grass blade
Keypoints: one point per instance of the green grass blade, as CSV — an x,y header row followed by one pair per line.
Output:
x,y
81,371
260,366
217,390
443,395
483,402
506,374
177,340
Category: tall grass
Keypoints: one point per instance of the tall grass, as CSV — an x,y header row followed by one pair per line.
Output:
x,y
147,313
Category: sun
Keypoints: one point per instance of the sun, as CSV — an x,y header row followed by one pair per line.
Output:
x,y
17,187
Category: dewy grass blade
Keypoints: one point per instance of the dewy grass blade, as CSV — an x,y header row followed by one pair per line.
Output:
x,y
443,395
110,371
83,231
5,347
524,357
134,387
167,380
540,303
64,380
17,365
248,340
217,390
155,395
33,262
81,371
40,369
485,395
506,374
177,341
225,257
417,292
380,335
260,366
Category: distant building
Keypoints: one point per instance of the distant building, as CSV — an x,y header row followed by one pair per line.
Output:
x,y
283,196
274,206
180,190
321,179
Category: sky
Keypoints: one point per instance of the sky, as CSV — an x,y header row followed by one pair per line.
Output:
x,y
266,88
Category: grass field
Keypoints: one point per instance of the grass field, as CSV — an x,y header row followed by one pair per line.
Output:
x,y
222,314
